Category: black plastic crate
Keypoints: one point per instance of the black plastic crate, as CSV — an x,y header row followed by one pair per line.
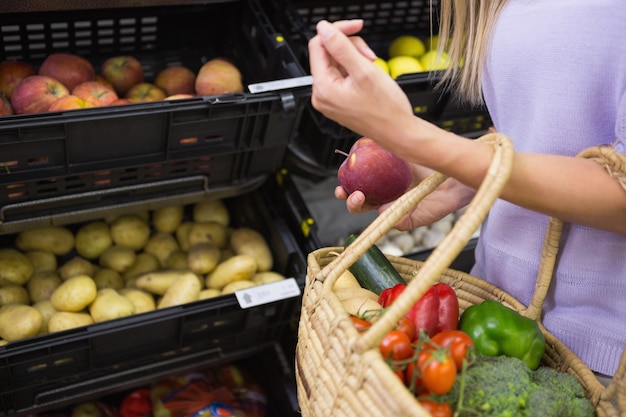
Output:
x,y
312,151
54,370
243,136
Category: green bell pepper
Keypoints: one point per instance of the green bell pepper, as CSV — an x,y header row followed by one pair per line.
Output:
x,y
499,330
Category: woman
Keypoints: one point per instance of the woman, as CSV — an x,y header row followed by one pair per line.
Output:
x,y
553,77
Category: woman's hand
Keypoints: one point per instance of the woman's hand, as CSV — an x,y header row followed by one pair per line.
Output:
x,y
350,89
450,196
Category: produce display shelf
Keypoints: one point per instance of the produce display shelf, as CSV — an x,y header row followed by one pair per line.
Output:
x,y
229,138
56,369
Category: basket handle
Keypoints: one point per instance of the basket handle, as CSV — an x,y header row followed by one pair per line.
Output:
x,y
443,255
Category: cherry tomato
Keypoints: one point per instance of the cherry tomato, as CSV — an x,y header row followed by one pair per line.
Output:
x,y
360,323
412,378
405,324
437,369
396,346
457,342
436,409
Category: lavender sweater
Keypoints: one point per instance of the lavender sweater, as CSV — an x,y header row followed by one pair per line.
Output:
x,y
555,83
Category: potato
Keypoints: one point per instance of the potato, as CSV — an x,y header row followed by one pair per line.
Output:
x,y
209,293
182,232
143,300
47,310
19,321
108,278
110,305
76,266
157,282
354,292
361,306
237,285
131,231
42,260
346,280
208,232
92,239
42,284
247,241
266,277
237,268
177,261
118,258
144,263
202,258
211,211
14,294
74,294
167,219
185,289
15,268
161,245
65,320
56,239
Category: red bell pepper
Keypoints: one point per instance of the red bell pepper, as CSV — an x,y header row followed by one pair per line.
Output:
x,y
437,310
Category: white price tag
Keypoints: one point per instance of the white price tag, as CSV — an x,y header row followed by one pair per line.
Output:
x,y
281,84
267,293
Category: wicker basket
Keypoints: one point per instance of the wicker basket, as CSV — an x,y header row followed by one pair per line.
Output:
x,y
340,372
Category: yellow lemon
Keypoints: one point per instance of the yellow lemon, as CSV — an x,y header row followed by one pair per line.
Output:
x,y
432,62
403,65
382,64
431,42
406,45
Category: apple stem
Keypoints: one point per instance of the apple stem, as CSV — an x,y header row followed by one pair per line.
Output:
x,y
339,151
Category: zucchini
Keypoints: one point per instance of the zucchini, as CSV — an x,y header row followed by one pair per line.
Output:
x,y
373,270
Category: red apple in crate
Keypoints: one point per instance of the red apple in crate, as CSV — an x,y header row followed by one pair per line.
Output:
x,y
145,92
218,76
179,96
70,102
11,73
36,93
69,69
373,170
95,93
123,72
176,80
120,101
6,109
100,79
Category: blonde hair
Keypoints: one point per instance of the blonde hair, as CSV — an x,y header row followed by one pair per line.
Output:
x,y
465,27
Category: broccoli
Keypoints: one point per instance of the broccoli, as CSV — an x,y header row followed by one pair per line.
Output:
x,y
558,394
503,386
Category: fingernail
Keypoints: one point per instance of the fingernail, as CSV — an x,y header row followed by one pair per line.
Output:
x,y
324,29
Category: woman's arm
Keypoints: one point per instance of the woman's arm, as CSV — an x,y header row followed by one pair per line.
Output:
x,y
351,90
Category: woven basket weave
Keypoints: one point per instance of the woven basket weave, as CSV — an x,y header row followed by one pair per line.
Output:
x,y
340,372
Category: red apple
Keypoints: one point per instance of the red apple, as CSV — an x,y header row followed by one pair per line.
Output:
x,y
6,109
69,69
178,96
145,92
104,82
70,102
373,170
35,94
11,73
122,72
120,101
95,93
218,76
176,80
